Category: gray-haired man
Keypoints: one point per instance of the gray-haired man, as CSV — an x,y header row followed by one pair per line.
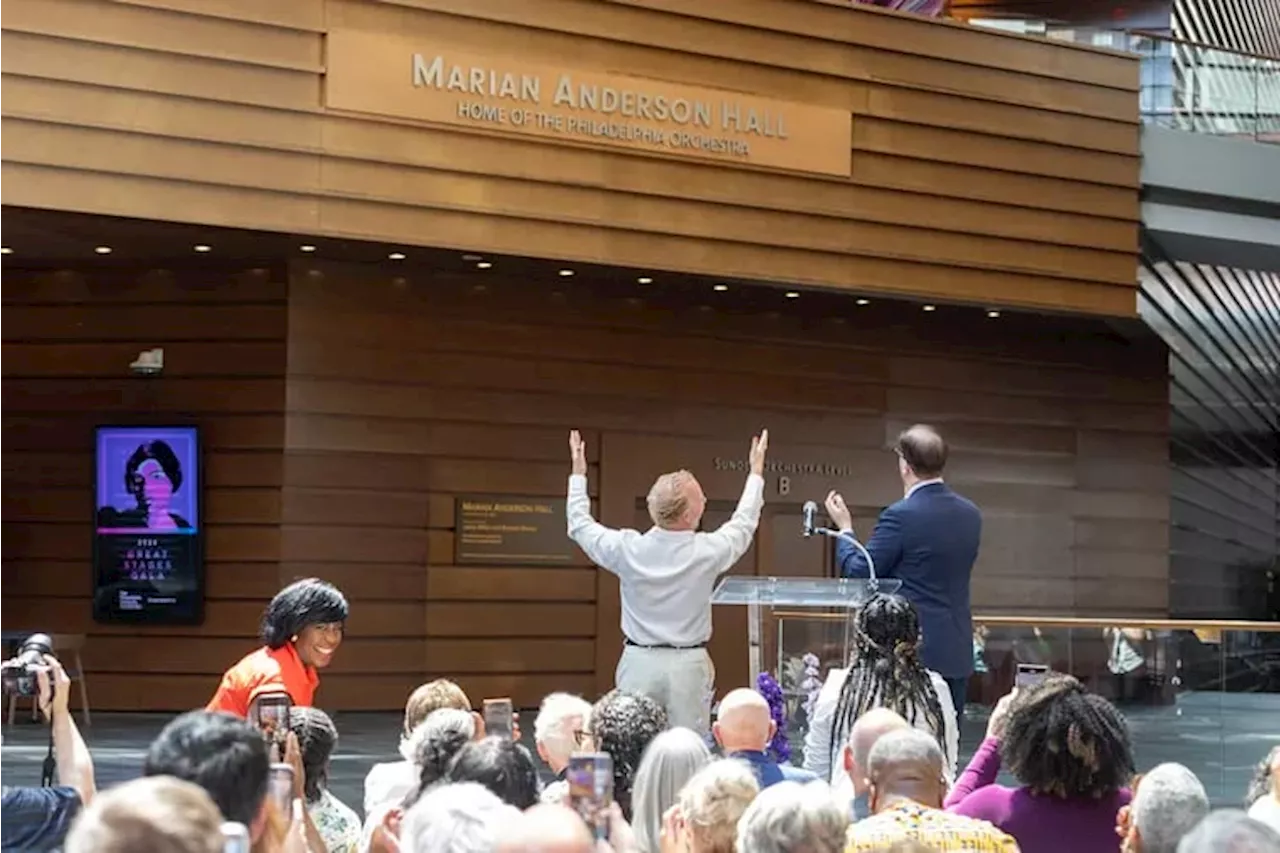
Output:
x,y
667,574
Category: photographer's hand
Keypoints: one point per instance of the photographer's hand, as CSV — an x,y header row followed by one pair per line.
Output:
x,y
75,765
55,697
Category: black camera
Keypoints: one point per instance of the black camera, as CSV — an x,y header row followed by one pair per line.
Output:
x,y
19,674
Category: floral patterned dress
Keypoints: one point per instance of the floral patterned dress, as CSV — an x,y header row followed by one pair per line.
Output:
x,y
337,823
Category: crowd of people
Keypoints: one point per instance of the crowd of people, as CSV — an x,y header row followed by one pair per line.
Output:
x,y
644,769
878,775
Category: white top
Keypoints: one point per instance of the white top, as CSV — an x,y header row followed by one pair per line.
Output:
x,y
1267,810
826,762
666,575
388,784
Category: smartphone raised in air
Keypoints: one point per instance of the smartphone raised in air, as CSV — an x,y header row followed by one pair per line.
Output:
x,y
1030,674
235,838
499,718
270,713
590,778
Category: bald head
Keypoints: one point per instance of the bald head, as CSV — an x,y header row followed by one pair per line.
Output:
x,y
906,764
676,501
744,723
866,731
546,829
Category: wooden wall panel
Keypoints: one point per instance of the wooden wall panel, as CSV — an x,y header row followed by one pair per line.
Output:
x,y
984,168
402,398
69,338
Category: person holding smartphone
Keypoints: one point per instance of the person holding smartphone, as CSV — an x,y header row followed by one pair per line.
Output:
x,y
302,629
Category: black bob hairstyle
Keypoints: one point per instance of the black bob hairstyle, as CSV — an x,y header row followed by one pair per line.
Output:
x,y
161,452
310,601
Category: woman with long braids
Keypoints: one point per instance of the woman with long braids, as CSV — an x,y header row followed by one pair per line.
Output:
x,y
885,672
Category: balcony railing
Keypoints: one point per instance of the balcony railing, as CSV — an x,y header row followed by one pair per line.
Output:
x,y
1202,693
1185,85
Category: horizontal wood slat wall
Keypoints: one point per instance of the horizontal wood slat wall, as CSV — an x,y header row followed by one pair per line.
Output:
x,y
406,391
68,339
985,167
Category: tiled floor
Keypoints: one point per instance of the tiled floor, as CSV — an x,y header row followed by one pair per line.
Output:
x,y
1218,736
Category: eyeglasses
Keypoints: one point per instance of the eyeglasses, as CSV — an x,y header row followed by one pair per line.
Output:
x,y
580,737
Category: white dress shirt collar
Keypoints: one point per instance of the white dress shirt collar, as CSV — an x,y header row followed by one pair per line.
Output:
x,y
920,485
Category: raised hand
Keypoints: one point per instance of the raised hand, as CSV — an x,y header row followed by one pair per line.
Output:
x,y
578,453
759,447
838,511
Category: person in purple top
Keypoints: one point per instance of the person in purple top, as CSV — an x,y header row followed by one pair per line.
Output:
x,y
1070,752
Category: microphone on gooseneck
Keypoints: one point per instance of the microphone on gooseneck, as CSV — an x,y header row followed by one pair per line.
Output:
x,y
810,511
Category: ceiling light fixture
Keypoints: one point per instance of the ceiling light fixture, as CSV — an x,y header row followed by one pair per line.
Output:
x,y
102,250
720,288
483,265
930,308
862,302
566,273
307,248
203,248
793,294
5,250
396,256
993,313
644,279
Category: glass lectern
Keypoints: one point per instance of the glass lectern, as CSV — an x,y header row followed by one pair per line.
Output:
x,y
798,629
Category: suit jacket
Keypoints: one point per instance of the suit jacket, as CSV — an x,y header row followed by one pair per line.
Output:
x,y
929,541
769,772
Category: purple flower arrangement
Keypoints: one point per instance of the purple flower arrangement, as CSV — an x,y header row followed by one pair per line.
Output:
x,y
767,687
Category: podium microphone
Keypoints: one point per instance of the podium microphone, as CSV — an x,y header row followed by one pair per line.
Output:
x,y
810,511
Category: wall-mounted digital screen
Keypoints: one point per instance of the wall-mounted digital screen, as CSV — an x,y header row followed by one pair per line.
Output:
x,y
148,554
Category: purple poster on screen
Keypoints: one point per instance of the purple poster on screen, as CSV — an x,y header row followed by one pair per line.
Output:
x,y
148,561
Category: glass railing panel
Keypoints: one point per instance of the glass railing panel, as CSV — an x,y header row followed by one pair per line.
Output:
x,y
1184,85
1204,694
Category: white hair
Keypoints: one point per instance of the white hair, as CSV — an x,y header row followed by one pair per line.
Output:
x,y
668,763
905,746
712,802
790,817
1229,831
463,817
554,725
1169,803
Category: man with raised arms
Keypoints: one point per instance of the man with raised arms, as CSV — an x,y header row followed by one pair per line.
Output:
x,y
667,574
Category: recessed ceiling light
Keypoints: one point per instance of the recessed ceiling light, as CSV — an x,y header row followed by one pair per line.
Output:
x,y
5,250
472,258
396,256
993,313
862,302
203,248
483,265
307,248
930,308
720,288
793,294
644,279
566,273
102,250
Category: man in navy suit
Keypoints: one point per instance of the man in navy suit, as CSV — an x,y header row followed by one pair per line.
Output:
x,y
929,541
743,728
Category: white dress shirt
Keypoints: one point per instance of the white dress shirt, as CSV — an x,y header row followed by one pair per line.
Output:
x,y
821,759
666,575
